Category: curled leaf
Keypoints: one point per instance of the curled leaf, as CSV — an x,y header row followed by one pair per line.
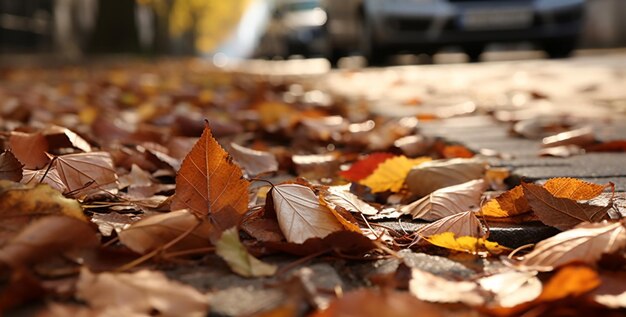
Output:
x,y
447,201
86,173
428,177
342,197
461,224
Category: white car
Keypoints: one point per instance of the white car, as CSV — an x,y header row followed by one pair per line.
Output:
x,y
378,28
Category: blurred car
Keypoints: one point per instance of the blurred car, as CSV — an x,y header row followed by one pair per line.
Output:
x,y
379,28
296,28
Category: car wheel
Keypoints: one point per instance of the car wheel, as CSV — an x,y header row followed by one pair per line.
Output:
x,y
367,46
560,48
474,51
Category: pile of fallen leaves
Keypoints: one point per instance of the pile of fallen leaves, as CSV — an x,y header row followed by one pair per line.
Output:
x,y
109,175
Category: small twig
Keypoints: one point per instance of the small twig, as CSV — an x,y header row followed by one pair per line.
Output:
x,y
189,252
111,242
47,169
523,247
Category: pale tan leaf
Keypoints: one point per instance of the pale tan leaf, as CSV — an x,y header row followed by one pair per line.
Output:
x,y
211,186
462,224
112,221
143,292
86,173
430,176
50,177
342,197
300,214
155,231
432,288
253,161
512,288
231,250
586,243
447,201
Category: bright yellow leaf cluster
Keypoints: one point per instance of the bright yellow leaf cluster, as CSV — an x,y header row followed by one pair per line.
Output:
x,y
391,174
465,244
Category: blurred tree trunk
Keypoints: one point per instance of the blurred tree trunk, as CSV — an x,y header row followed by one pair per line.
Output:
x,y
116,28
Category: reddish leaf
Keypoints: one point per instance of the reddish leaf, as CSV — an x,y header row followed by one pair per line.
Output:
x,y
561,213
86,173
60,137
610,146
364,167
10,167
210,185
30,149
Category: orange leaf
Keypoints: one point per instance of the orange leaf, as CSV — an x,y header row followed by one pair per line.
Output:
x,y
86,173
510,203
30,149
391,174
364,167
572,188
561,213
570,281
456,151
210,184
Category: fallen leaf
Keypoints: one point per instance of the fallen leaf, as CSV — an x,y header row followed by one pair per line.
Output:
x,y
572,188
609,146
300,214
341,242
562,151
561,213
10,167
316,166
46,237
581,136
342,197
430,176
391,174
365,167
465,243
112,221
510,203
253,161
447,201
456,151
277,115
431,288
378,303
570,281
512,288
155,231
612,291
60,137
45,176
29,149
86,173
461,224
342,215
586,243
230,249
210,184
141,293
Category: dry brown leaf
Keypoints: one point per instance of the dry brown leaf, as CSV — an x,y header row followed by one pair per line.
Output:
x,y
140,293
46,237
60,137
210,185
86,173
50,177
29,149
342,197
391,174
573,188
431,288
155,231
112,222
586,243
462,224
379,303
510,203
511,288
447,201
300,214
10,167
240,261
428,177
561,213
253,161
581,136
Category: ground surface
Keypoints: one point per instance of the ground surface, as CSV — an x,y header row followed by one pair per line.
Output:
x,y
502,111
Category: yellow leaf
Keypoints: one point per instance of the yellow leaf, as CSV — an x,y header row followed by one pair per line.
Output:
x,y
571,188
510,203
465,243
391,174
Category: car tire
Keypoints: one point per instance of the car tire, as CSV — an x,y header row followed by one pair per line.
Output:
x,y
560,48
474,52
